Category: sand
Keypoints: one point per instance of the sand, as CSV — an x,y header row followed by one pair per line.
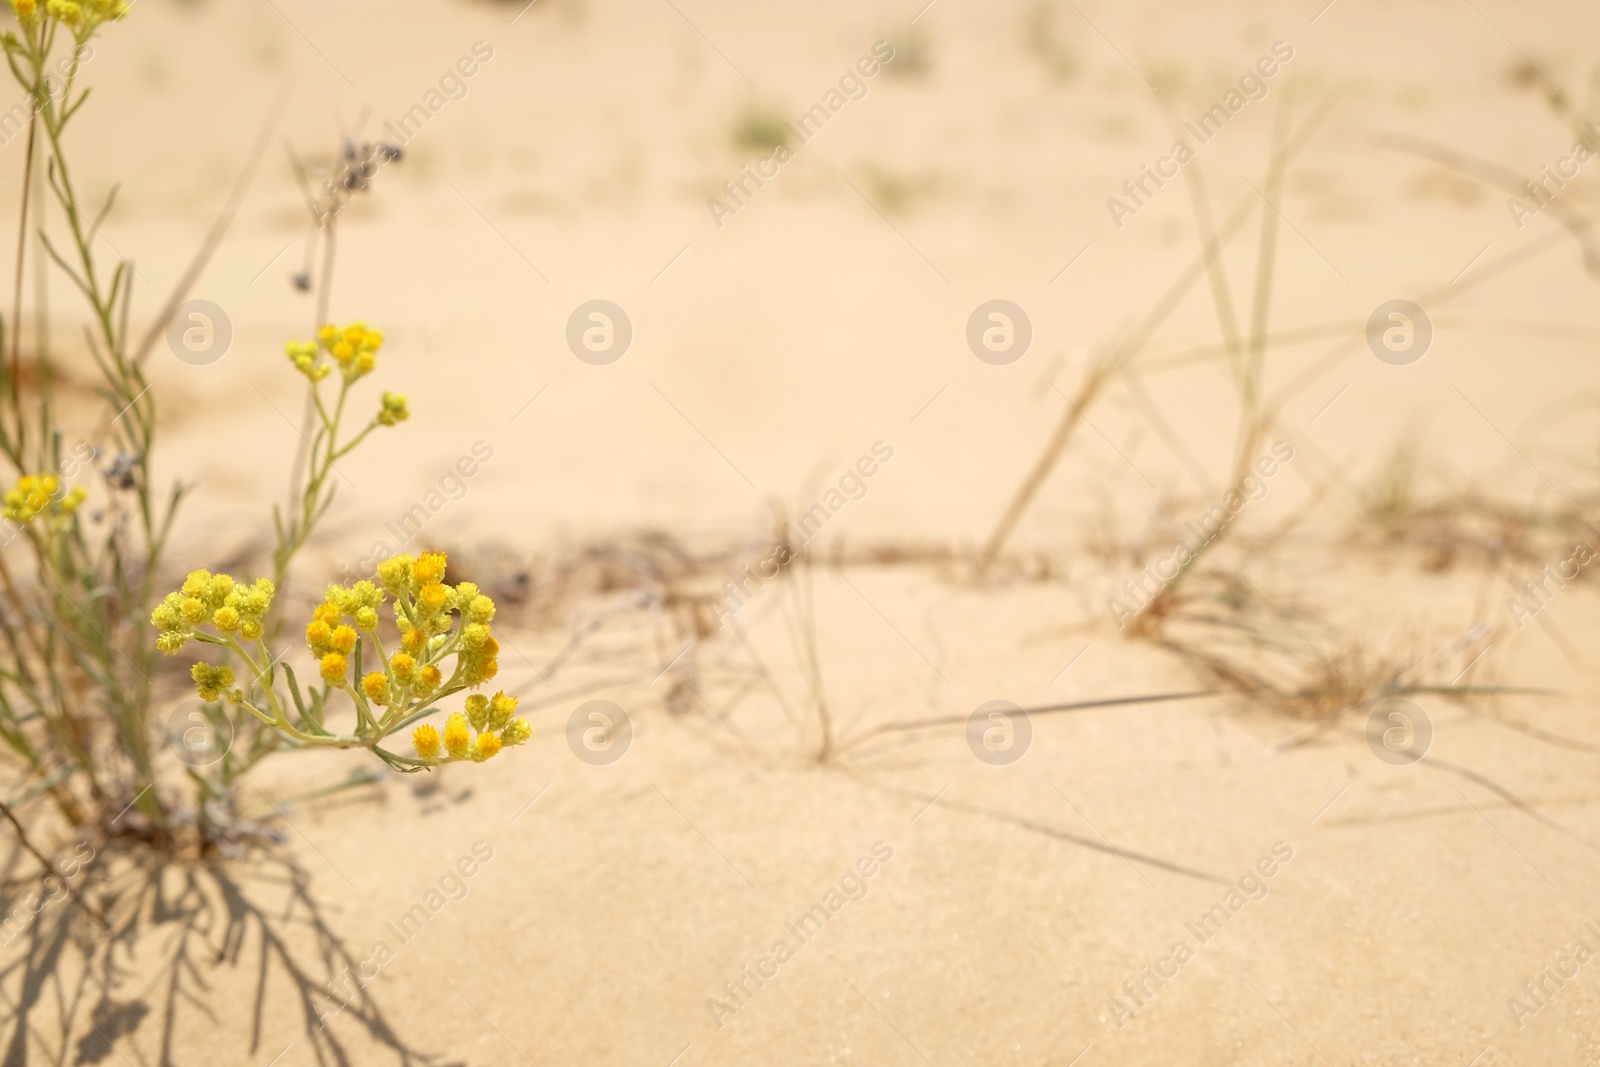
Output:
x,y
1019,906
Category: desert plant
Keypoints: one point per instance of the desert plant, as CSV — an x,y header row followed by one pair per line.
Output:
x,y
81,664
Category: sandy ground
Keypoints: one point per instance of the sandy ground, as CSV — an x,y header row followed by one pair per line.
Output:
x,y
1407,904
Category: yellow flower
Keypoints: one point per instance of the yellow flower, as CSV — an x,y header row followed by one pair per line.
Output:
x,y
501,708
317,634
376,686
432,597
426,741
403,666
343,639
428,679
457,739
225,619
395,573
480,609
516,732
484,746
333,667
478,665
429,568
478,710
209,680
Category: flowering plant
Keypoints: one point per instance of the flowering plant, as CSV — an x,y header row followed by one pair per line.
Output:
x,y
80,665
437,626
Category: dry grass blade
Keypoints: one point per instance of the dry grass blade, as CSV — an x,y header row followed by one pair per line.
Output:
x,y
1580,226
1047,709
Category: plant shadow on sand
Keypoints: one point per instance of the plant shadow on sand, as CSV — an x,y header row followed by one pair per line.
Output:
x,y
173,926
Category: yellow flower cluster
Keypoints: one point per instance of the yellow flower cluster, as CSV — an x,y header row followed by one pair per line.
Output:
x,y
229,606
437,622
303,354
489,718
37,493
425,612
354,348
331,639
419,584
82,17
394,410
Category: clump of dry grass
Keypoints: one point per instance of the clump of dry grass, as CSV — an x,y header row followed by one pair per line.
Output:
x,y
1444,526
1212,613
1285,655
